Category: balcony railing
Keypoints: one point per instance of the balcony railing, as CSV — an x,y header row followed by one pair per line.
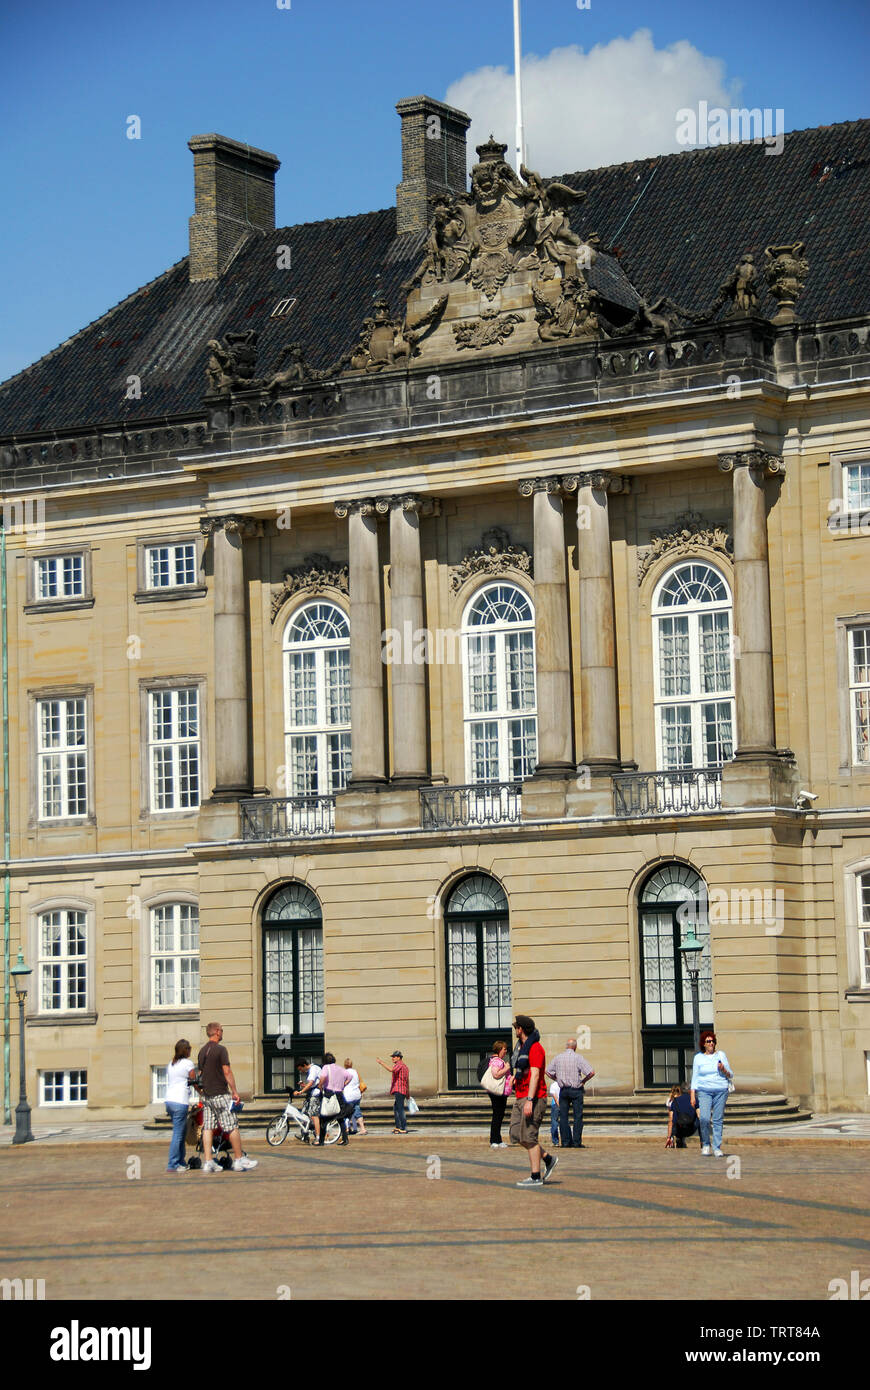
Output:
x,y
681,793
287,817
485,804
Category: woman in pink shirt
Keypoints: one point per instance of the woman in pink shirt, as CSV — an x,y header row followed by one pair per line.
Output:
x,y
333,1080
500,1068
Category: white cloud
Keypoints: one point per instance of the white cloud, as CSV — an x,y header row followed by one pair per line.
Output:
x,y
582,110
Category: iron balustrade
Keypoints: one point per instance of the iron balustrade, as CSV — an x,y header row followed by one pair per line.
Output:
x,y
484,804
287,817
680,792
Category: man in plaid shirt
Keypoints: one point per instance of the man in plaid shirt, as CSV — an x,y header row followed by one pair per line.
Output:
x,y
572,1071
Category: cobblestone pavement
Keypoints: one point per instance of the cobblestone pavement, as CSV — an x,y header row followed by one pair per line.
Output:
x,y
433,1216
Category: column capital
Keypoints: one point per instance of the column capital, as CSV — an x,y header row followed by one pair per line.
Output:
x,y
245,526
598,480
409,502
528,486
365,506
756,459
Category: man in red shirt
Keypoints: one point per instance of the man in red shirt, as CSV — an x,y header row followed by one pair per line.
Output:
x,y
530,1099
400,1089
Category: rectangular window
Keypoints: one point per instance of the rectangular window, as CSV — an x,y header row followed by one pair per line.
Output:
x,y
62,758
520,659
60,576
483,689
158,1085
170,566
676,736
859,693
718,736
715,639
864,929
337,672
523,747
173,748
484,750
63,983
856,487
675,675
175,956
462,976
63,1087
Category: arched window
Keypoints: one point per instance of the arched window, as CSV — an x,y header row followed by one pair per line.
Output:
x,y
317,699
673,898
478,974
694,670
292,982
498,641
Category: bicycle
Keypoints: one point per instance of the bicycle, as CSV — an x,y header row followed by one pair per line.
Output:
x,y
278,1129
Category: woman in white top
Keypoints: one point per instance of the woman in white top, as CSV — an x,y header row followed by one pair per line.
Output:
x,y
353,1096
179,1074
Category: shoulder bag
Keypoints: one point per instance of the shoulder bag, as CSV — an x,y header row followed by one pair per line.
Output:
x,y
493,1084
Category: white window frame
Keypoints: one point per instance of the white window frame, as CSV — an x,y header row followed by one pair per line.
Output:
x,y
862,889
66,573
65,753
857,690
696,697
67,1084
176,953
158,1084
862,466
502,715
175,744
64,961
321,731
175,561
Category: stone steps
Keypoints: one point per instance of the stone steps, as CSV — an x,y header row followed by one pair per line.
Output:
x,y
643,1108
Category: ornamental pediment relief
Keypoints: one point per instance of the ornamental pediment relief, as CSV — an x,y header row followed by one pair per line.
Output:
x,y
689,532
494,557
315,575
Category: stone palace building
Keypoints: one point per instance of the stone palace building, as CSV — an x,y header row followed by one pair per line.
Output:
x,y
430,613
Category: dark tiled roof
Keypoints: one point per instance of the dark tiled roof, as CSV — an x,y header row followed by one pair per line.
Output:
x,y
680,222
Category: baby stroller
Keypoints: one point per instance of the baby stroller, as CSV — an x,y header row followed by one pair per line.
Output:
x,y
221,1149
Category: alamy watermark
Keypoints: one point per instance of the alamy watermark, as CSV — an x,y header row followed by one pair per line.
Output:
x,y
736,907
706,125
25,516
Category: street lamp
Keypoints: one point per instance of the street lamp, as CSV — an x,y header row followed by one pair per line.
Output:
x,y
23,1133
690,950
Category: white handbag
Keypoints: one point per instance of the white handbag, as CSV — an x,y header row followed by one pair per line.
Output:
x,y
493,1084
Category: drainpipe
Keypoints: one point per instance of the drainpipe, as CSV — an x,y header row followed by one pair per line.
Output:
x,y
7,1081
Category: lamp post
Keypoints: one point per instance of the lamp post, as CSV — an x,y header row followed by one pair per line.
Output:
x,y
690,950
23,1133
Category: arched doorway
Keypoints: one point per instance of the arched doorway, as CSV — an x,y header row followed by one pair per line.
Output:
x,y
666,1029
478,961
292,983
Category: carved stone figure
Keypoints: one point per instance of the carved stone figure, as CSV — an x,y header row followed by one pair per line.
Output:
x,y
489,330
316,574
786,269
385,341
448,247
573,315
662,317
232,363
546,226
297,373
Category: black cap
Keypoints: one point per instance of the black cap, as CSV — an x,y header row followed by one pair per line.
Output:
x,y
395,1054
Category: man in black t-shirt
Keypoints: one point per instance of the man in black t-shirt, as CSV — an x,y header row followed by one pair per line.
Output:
x,y
218,1095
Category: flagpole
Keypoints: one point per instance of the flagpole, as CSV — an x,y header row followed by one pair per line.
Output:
x,y
520,141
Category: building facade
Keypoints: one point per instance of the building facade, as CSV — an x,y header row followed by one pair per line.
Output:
x,y
360,705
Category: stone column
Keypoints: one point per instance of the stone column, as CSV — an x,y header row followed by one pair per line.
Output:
x,y
232,773
598,693
410,760
752,630
552,642
366,667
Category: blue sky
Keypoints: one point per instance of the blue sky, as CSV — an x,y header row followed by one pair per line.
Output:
x,y
95,214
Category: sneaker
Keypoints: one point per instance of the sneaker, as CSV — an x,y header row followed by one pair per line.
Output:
x,y
241,1165
498,1146
717,1153
531,1182
550,1162
210,1167
181,1168
705,1150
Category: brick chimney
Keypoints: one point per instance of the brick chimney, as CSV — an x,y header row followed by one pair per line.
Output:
x,y
433,158
234,193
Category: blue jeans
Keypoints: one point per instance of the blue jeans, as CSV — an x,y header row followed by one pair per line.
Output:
x,y
399,1110
178,1115
554,1122
715,1101
569,1095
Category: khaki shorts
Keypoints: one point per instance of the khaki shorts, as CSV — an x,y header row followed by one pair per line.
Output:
x,y
525,1131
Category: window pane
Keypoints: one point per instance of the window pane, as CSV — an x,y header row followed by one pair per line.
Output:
x,y
715,635
484,751
717,733
462,976
674,677
676,736
482,691
857,486
158,575
523,747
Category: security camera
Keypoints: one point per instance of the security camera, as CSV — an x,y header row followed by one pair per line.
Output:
x,y
803,798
